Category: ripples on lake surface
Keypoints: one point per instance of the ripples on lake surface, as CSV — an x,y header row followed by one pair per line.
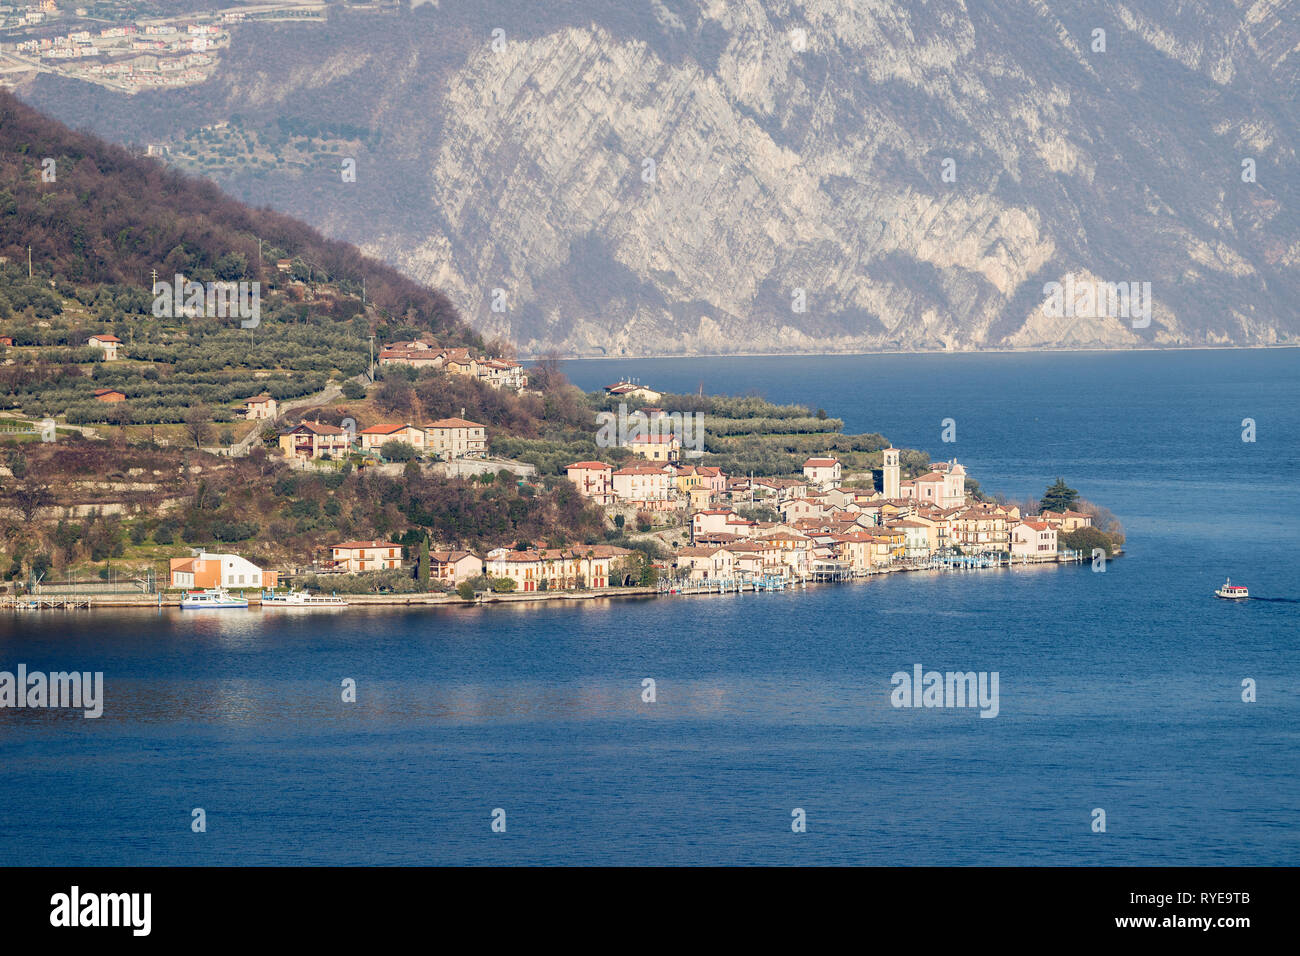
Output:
x,y
1119,690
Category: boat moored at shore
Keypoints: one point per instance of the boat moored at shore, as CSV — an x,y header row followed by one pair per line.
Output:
x,y
301,599
212,598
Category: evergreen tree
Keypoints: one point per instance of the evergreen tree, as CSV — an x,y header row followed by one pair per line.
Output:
x,y
422,574
1059,497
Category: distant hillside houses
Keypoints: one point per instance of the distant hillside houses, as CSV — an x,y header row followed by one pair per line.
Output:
x,y
497,372
446,439
624,389
110,345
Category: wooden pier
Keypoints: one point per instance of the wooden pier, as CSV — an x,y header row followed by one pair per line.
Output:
x,y
42,602
725,585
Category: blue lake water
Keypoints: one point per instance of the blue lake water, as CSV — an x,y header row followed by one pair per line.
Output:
x,y
1118,690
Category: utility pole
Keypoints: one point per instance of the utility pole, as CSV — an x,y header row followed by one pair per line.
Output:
x,y
372,356
29,262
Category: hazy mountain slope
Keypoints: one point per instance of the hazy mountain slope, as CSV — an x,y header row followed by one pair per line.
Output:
x,y
109,216
778,169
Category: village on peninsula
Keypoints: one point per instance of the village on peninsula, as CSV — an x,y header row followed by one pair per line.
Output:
x,y
700,528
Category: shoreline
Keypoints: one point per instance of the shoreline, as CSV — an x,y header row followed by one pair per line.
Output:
x,y
172,602
639,357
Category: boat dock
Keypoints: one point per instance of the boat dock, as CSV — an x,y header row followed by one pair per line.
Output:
x,y
42,602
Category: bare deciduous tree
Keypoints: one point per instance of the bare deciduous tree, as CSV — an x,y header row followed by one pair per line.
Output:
x,y
198,424
31,498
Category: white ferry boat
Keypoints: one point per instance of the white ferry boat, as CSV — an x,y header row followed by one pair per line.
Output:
x,y
1232,592
301,599
212,598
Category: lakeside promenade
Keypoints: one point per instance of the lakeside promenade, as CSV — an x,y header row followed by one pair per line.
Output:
x,y
31,603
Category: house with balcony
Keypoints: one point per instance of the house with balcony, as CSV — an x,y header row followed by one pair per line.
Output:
x,y
314,440
593,479
644,485
450,438
450,568
352,557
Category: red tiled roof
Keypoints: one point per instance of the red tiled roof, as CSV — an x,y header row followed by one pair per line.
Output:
x,y
318,428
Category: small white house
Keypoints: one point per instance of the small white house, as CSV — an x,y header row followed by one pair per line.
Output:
x,y
110,344
822,472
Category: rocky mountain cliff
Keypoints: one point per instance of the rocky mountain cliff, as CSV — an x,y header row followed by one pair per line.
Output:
x,y
778,175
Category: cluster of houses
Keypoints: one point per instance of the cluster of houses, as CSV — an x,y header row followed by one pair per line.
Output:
x,y
845,533
648,485
497,372
445,439
824,528
130,55
537,568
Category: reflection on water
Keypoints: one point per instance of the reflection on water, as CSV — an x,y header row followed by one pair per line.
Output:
x,y
1120,689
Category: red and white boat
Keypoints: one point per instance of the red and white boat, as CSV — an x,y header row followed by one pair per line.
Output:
x,y
1232,592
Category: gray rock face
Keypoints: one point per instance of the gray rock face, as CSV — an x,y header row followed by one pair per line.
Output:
x,y
792,175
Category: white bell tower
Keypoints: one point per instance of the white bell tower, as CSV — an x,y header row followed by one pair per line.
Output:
x,y
890,473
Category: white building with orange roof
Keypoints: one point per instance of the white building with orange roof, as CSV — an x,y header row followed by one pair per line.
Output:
x,y
452,567
1065,521
813,505
709,521
1033,539
975,530
705,563
503,373
919,538
110,345
358,556
823,472
644,485
854,549
206,570
376,436
593,479
627,390
261,407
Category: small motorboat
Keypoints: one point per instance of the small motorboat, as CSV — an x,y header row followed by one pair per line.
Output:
x,y
1232,592
212,598
301,599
